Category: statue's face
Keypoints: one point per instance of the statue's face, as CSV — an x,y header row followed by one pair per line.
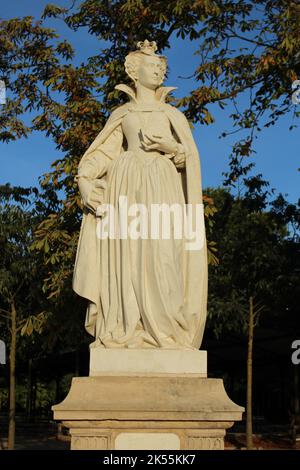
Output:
x,y
149,72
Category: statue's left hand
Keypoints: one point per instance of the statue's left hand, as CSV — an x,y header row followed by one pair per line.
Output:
x,y
162,144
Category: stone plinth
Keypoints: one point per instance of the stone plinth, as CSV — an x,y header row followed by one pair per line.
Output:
x,y
147,362
147,412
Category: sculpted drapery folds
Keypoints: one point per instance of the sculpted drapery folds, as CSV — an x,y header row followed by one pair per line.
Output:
x,y
142,292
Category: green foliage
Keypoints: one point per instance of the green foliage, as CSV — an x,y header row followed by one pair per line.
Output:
x,y
53,11
209,212
258,251
45,397
34,323
249,50
16,264
20,280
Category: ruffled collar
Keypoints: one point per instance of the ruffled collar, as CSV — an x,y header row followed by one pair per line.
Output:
x,y
160,93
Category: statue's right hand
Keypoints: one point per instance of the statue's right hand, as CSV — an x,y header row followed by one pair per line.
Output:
x,y
96,196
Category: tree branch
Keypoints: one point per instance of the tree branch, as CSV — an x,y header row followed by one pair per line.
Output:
x,y
18,290
251,41
6,317
171,30
5,311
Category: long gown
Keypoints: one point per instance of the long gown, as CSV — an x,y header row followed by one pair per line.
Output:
x,y
142,280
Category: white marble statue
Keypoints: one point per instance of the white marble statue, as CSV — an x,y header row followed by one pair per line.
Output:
x,y
141,292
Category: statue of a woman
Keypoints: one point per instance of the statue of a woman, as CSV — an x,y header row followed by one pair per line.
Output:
x,y
142,292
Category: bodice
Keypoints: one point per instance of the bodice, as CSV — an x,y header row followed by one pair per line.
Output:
x,y
142,121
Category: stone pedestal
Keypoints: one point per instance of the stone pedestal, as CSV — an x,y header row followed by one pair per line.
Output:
x,y
147,362
118,408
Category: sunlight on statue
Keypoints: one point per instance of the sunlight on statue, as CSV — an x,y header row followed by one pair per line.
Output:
x,y
142,292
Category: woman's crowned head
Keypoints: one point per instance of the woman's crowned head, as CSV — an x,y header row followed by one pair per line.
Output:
x,y
144,66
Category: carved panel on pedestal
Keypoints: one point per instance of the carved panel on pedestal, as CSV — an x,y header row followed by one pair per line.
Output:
x,y
89,443
205,443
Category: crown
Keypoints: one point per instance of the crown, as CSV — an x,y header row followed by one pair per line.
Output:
x,y
147,47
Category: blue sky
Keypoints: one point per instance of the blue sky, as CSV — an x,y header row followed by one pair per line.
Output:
x,y
277,156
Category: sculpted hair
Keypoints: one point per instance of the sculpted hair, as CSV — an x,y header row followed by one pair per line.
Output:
x,y
133,60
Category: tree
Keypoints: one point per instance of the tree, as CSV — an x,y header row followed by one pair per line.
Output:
x,y
248,48
21,305
255,271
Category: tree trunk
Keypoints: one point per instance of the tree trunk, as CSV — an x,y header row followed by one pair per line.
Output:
x,y
29,390
12,380
249,438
